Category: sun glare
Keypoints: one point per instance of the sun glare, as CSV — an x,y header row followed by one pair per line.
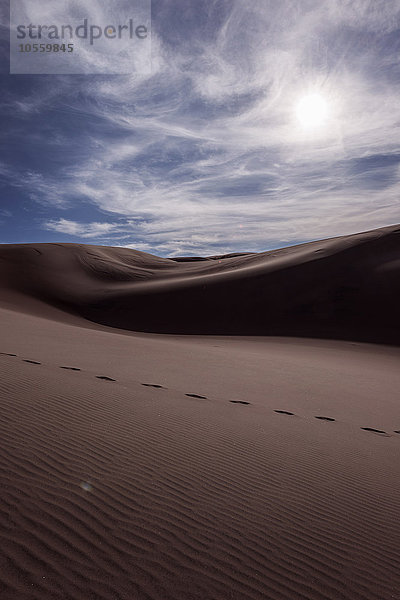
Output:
x,y
312,111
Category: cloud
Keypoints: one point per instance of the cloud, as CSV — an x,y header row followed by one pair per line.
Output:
x,y
85,230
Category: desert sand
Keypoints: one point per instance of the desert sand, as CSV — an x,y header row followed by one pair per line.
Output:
x,y
224,428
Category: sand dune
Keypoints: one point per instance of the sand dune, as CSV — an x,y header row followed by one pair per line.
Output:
x,y
141,466
344,288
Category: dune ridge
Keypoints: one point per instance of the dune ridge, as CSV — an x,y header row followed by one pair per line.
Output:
x,y
343,288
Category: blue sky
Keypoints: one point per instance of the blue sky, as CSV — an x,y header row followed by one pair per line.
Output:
x,y
206,154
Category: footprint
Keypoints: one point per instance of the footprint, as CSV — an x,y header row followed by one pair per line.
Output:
x,y
284,412
372,429
325,418
398,431
104,377
71,368
196,396
154,385
33,362
239,402
7,354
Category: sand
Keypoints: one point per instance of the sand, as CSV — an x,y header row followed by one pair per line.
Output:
x,y
168,466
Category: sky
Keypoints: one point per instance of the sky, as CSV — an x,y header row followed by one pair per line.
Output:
x,y
209,153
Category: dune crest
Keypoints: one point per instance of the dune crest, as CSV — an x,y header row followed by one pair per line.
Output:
x,y
343,288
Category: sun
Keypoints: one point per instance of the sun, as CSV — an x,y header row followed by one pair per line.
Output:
x,y
312,111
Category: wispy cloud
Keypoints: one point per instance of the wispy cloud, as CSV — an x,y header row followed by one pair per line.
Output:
x,y
87,230
206,155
